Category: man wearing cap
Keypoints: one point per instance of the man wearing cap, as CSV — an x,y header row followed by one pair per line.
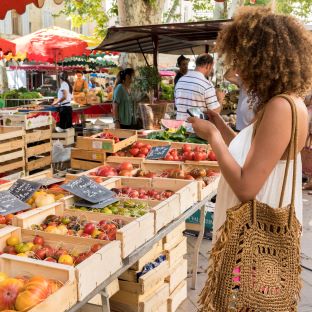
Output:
x,y
182,63
195,89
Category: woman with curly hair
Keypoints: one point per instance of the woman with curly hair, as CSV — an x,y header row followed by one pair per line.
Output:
x,y
271,54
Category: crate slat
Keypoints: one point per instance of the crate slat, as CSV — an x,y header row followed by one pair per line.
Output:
x,y
12,145
38,135
177,275
177,297
12,165
39,163
38,149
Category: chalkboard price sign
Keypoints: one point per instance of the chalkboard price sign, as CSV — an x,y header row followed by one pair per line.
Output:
x,y
100,205
10,204
88,190
23,189
158,152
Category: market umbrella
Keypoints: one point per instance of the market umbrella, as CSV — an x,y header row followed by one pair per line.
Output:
x,y
51,45
20,5
7,46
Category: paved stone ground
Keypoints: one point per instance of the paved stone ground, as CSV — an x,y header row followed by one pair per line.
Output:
x,y
190,304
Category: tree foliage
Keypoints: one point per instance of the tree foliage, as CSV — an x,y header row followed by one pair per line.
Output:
x,y
87,11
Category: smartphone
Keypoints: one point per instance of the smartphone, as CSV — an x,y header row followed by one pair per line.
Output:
x,y
196,112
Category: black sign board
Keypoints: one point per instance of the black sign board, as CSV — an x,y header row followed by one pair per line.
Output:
x,y
88,190
23,189
49,181
158,152
10,204
100,205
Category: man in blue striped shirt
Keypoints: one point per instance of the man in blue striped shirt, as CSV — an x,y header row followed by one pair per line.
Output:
x,y
195,90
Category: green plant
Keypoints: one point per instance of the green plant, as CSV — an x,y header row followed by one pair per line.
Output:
x,y
148,78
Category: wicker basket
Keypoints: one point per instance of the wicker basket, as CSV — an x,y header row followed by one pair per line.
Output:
x,y
152,114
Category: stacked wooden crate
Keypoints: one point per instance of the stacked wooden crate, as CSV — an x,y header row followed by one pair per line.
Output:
x,y
38,142
90,152
148,293
38,148
175,247
12,154
67,138
161,289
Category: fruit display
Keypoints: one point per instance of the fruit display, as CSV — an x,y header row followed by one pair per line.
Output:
x,y
140,193
199,174
108,136
22,293
39,250
125,169
43,198
127,208
79,226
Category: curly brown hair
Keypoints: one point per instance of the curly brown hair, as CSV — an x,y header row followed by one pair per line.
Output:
x,y
271,52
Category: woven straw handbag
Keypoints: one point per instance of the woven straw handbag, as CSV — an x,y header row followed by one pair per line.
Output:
x,y
255,263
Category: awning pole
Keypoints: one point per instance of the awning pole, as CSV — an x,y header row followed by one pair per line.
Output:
x,y
193,52
206,48
142,52
155,60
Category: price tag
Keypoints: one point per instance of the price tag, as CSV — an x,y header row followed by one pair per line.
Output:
x,y
158,152
23,189
10,204
88,190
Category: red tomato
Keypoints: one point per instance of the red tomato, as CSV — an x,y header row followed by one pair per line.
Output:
x,y
189,155
212,156
126,166
187,148
2,220
198,156
144,150
169,157
134,151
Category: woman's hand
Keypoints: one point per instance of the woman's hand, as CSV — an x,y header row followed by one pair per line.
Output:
x,y
203,128
215,118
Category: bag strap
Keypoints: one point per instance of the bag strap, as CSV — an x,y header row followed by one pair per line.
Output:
x,y
292,149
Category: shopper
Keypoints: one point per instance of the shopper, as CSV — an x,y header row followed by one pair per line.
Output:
x,y
244,112
195,90
268,51
182,63
80,84
63,101
123,106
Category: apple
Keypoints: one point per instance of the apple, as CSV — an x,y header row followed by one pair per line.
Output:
x,y
143,196
96,247
9,250
89,228
12,241
38,240
41,253
102,222
66,259
60,252
80,258
50,259
134,194
103,236
125,173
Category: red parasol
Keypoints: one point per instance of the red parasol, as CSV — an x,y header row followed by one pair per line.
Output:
x,y
7,46
51,45
20,5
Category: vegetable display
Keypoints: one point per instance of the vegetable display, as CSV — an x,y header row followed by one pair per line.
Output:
x,y
180,135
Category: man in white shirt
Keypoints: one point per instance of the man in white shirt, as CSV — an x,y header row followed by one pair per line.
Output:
x,y
244,111
195,90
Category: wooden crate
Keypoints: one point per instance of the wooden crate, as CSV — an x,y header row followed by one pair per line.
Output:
x,y
28,120
63,298
12,155
95,143
159,166
147,282
66,138
174,238
86,160
176,254
154,301
150,256
89,273
177,297
178,274
38,148
111,290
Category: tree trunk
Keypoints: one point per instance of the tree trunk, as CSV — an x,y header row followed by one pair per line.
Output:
x,y
139,12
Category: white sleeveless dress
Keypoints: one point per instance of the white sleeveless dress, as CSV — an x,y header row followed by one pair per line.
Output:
x,y
271,190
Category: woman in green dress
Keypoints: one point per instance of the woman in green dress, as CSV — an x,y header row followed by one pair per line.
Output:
x,y
123,106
